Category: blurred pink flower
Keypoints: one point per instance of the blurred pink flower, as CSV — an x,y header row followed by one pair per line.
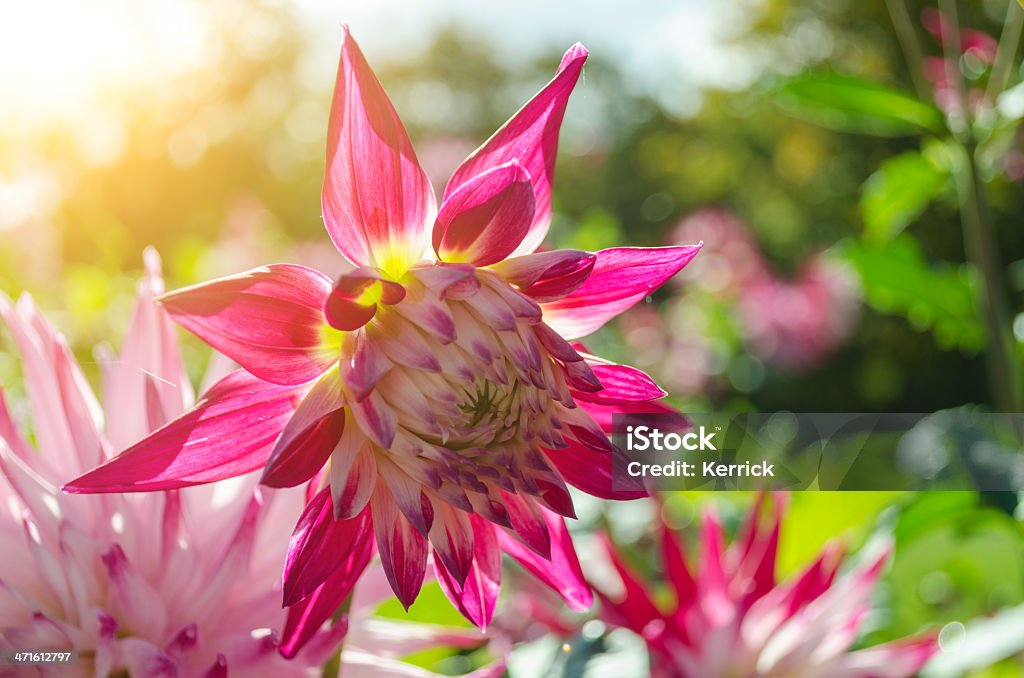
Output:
x,y
797,323
177,583
792,324
731,618
431,393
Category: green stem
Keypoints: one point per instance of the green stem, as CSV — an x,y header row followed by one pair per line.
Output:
x,y
912,54
1009,40
332,667
979,239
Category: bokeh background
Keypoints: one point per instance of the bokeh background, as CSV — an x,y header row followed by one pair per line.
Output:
x,y
825,160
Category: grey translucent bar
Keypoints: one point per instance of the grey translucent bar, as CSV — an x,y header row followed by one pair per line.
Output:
x,y
963,449
36,657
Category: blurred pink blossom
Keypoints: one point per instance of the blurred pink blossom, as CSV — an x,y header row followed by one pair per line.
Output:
x,y
729,615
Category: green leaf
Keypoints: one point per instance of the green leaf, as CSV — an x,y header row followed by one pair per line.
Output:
x,y
849,104
898,192
933,296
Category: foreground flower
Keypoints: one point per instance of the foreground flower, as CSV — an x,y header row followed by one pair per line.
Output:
x,y
178,583
731,618
441,403
149,584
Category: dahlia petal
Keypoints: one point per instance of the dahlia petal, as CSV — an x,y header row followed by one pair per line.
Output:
x,y
403,550
140,658
586,431
149,368
309,436
621,384
354,299
449,281
451,537
365,367
203,444
758,548
426,311
531,137
562,571
353,473
320,544
269,320
486,218
606,415
376,419
477,595
621,277
547,276
895,659
635,606
527,523
683,583
594,472
553,342
132,600
307,616
58,392
408,495
377,201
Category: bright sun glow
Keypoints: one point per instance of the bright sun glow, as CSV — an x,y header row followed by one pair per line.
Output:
x,y
59,56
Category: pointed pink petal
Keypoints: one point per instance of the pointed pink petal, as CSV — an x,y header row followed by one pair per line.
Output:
x,y
364,366
635,608
377,202
307,616
531,137
676,570
353,472
527,523
669,418
449,281
620,384
485,218
403,550
309,436
149,372
562,571
477,596
59,394
601,474
228,433
269,320
548,276
621,277
321,544
451,537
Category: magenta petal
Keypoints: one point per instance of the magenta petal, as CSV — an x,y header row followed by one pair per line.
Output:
x,y
269,320
548,276
621,384
593,471
605,414
477,596
204,444
621,277
309,436
321,544
635,608
486,218
531,137
403,550
562,571
377,202
345,547
345,308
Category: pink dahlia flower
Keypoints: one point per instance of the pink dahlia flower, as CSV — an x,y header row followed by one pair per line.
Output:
x,y
149,584
730,617
176,583
440,406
